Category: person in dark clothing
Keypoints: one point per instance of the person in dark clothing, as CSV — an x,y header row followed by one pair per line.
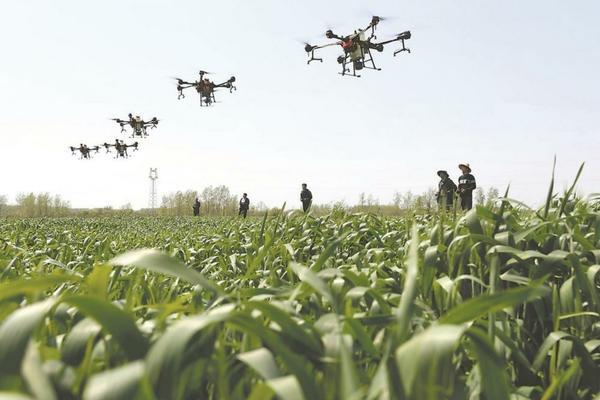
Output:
x,y
244,205
196,207
305,198
466,185
446,190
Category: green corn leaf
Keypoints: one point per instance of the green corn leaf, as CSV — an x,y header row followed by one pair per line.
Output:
x,y
156,261
16,330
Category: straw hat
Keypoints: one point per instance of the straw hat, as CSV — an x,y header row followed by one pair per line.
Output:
x,y
467,166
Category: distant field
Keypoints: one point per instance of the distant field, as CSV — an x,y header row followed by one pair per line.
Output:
x,y
501,303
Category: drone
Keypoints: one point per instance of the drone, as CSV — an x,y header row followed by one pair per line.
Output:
x,y
357,48
205,88
137,124
84,150
121,148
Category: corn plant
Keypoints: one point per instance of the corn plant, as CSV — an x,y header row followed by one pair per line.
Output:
x,y
499,303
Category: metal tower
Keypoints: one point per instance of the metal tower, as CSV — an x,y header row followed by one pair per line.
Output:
x,y
153,196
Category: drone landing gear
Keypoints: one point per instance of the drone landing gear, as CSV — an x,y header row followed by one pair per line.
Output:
x,y
314,59
402,49
370,59
207,101
353,74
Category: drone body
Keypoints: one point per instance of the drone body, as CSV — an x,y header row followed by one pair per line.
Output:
x,y
120,148
357,48
138,125
84,151
205,88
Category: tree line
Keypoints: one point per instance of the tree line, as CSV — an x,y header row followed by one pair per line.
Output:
x,y
35,205
219,201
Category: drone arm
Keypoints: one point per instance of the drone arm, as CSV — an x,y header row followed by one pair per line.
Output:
x,y
399,38
389,41
328,44
311,50
227,84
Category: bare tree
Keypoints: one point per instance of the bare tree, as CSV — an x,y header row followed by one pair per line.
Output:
x,y
479,196
3,202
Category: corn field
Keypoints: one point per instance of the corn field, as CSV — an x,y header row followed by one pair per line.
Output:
x,y
498,303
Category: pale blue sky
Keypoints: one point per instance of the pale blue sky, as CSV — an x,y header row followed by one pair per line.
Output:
x,y
503,85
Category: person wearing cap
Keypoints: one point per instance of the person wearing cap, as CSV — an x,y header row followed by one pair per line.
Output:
x,y
306,197
446,190
466,185
244,205
196,207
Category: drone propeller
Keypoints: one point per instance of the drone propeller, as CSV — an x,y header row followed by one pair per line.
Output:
x,y
379,18
374,16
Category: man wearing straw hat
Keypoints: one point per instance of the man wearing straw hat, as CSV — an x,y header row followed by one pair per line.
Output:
x,y
466,185
446,191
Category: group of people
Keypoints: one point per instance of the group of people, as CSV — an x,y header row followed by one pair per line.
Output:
x,y
448,191
446,195
305,198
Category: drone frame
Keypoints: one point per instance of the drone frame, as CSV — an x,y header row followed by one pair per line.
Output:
x,y
206,99
139,128
353,43
86,154
121,149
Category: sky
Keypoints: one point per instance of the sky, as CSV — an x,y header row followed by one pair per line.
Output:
x,y
502,85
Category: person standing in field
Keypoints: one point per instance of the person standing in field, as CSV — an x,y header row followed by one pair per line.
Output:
x,y
446,190
306,197
244,205
466,185
196,207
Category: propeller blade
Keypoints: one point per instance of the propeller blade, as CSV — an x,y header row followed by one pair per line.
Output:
x,y
366,13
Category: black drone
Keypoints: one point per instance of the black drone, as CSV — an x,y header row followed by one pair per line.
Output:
x,y
357,47
120,147
84,151
137,124
205,88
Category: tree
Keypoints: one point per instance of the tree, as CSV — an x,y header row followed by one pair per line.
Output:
x,y
26,204
479,196
397,200
407,200
492,194
362,199
3,202
41,205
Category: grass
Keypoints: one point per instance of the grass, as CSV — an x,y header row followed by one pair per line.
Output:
x,y
500,303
